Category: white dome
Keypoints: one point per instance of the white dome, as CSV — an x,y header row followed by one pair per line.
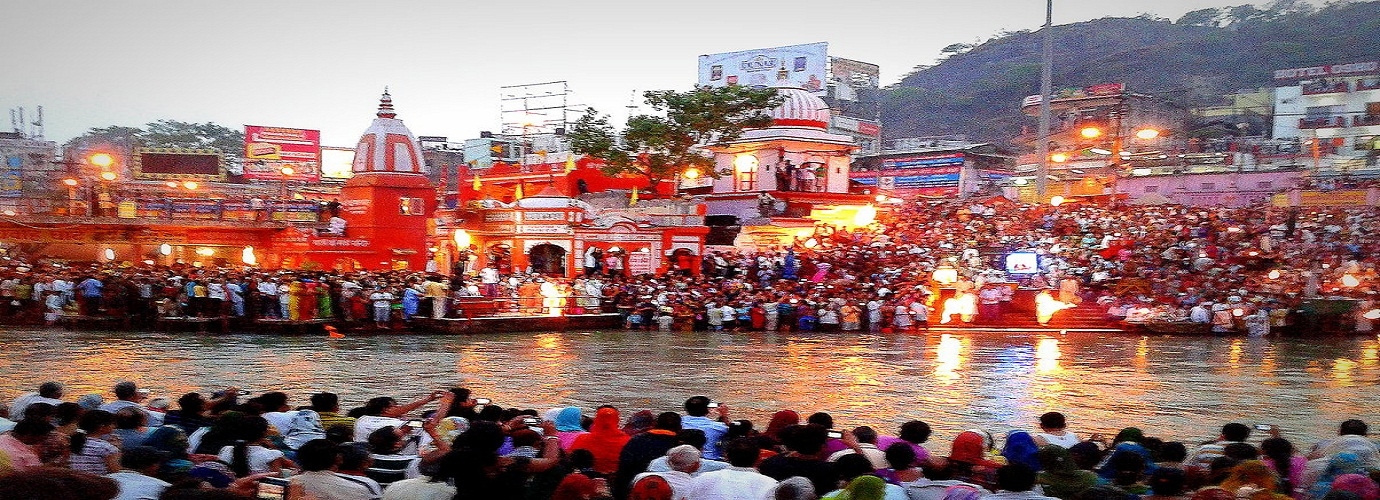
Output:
x,y
801,109
388,146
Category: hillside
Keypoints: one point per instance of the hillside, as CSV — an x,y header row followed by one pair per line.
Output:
x,y
1192,62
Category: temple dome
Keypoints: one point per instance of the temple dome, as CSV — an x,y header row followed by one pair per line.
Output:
x,y
388,146
801,109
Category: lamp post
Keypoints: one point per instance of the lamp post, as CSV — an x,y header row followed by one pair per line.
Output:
x,y
287,172
1046,88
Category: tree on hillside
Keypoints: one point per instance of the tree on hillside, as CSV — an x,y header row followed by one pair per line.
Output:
x,y
170,134
1209,17
660,146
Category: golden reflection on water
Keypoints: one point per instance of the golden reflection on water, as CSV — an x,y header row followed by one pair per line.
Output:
x,y
1047,357
948,359
1142,352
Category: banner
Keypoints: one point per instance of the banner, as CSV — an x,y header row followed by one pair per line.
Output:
x,y
267,150
802,66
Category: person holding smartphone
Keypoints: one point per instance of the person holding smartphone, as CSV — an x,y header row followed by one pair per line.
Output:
x,y
697,410
385,411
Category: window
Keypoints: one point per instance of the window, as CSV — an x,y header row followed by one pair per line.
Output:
x,y
747,181
411,206
1264,184
1208,186
1152,189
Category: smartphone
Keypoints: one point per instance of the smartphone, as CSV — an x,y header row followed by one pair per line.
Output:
x,y
833,434
1262,427
272,488
531,421
481,401
415,424
713,405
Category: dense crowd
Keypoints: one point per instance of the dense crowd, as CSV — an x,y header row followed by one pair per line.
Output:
x,y
1236,268
451,444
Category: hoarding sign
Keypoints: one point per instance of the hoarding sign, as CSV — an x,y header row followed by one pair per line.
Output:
x,y
11,183
1361,68
267,150
803,66
337,163
923,161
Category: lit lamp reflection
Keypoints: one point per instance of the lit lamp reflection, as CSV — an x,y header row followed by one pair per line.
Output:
x,y
1350,281
552,299
945,275
1047,356
948,358
963,304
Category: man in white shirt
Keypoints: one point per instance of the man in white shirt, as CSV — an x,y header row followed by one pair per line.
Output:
x,y
1053,430
684,461
48,392
867,446
489,277
128,395
318,481
135,478
739,482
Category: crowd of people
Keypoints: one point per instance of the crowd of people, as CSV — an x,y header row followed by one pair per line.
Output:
x,y
451,444
1237,269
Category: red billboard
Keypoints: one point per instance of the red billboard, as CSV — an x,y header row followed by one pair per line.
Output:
x,y
270,151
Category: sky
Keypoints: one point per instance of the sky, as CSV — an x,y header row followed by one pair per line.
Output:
x,y
319,64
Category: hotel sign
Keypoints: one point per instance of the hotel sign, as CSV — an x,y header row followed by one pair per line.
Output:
x,y
543,229
1360,68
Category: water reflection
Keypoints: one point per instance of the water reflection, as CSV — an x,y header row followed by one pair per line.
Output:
x,y
1181,388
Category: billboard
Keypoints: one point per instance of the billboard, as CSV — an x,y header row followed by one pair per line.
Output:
x,y
267,150
178,163
802,66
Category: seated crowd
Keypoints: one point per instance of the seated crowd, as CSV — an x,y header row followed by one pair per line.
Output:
x,y
448,444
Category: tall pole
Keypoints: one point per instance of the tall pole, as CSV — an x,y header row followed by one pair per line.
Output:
x,y
1046,88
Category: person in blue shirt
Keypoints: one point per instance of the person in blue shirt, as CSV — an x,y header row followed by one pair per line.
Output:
x,y
90,290
697,411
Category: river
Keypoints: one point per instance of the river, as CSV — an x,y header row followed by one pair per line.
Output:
x,y
1177,388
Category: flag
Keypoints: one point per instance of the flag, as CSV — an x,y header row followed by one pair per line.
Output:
x,y
633,200
517,195
570,164
476,185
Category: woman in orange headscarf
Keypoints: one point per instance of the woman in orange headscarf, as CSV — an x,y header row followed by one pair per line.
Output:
x,y
968,460
605,440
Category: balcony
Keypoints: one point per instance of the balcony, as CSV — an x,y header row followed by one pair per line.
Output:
x,y
1327,122
1365,120
1325,87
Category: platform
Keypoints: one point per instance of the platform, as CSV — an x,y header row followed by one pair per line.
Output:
x,y
515,323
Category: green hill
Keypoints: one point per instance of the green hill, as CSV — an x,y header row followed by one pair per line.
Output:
x,y
1192,61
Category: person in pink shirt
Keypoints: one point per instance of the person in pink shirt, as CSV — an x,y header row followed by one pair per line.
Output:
x,y
18,443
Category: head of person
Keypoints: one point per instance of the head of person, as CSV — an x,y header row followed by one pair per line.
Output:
x,y
127,391
1015,477
865,434
667,421
93,423
794,488
525,437
32,431
1353,427
318,455
385,440
692,437
192,403
915,431
821,418
130,418
45,483
323,402
1241,451
1053,421
340,433
1172,451
52,390
742,452
852,465
1167,482
1086,455
273,401
67,413
375,407
1236,432
684,458
900,456
39,411
697,406
142,459
354,457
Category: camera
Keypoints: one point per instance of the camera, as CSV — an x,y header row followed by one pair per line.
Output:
x,y
531,421
415,424
481,401
271,488
712,405
1262,427
833,434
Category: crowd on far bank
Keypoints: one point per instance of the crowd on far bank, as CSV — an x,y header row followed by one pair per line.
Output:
x,y
1249,268
450,443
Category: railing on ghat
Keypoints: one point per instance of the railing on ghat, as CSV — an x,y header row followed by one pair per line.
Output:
x,y
563,305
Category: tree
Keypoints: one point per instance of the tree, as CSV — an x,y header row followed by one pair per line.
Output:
x,y
1210,17
660,147
172,134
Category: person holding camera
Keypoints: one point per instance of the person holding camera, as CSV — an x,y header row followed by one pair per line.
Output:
x,y
696,417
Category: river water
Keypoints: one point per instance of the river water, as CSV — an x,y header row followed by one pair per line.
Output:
x,y
1178,388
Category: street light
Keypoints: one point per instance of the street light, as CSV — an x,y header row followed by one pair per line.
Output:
x,y
287,171
462,249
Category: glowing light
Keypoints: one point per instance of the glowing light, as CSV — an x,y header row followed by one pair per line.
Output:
x,y
149,262
811,243
192,185
1059,157
1090,132
1099,151
205,251
108,253
1372,314
691,173
1047,356
865,215
109,176
804,233
552,299
745,163
171,184
1238,312
945,275
1273,274
948,358
101,160
1147,133
462,238
247,255
1350,281
1020,181
165,249
1046,306
1056,201
615,249
70,182
1233,229
1140,172
287,170
963,304
1252,253
10,212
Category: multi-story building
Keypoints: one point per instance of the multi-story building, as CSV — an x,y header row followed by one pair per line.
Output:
x,y
1335,111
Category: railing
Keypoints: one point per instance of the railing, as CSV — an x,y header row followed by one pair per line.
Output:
x,y
1328,122
1365,120
190,208
479,307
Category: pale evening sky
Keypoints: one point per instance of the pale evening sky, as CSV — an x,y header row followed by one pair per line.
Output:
x,y
322,64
